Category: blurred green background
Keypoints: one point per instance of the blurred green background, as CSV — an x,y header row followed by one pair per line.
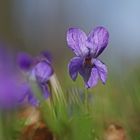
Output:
x,y
36,25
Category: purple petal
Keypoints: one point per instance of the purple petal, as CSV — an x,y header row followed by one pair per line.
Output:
x,y
32,99
102,70
85,72
25,88
98,40
43,71
47,55
45,91
12,91
24,60
76,40
93,79
73,66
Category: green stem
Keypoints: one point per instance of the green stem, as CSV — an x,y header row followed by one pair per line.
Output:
x,y
86,100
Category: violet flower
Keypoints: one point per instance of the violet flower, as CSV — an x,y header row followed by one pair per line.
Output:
x,y
12,86
38,68
12,91
87,49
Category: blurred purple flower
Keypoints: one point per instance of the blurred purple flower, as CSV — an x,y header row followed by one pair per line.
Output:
x,y
38,68
12,91
87,49
12,87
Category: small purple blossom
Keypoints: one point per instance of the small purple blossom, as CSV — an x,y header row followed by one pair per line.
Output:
x,y
38,68
87,49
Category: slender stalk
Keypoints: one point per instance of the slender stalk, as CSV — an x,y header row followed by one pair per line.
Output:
x,y
86,100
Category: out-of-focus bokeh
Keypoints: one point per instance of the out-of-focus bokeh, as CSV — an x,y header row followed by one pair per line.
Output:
x,y
33,26
36,25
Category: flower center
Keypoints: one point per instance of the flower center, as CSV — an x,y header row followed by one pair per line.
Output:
x,y
88,62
